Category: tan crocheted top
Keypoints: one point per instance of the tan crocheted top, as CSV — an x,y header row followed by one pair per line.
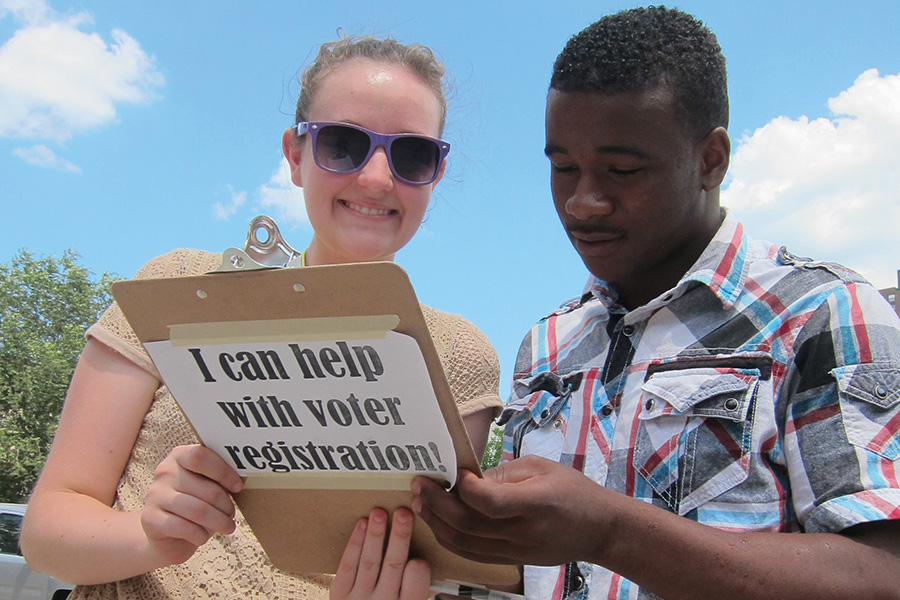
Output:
x,y
235,566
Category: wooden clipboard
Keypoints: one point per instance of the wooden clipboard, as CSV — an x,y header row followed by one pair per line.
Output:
x,y
303,529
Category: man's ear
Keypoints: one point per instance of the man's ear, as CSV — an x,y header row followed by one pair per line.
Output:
x,y
715,154
292,148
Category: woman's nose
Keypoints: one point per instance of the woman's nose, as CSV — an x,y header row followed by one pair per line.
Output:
x,y
376,174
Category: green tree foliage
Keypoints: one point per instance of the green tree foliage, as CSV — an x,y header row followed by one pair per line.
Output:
x,y
45,306
493,450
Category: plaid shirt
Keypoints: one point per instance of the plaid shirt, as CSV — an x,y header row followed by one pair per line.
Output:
x,y
760,394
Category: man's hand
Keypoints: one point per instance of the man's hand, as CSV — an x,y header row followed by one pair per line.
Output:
x,y
528,511
536,512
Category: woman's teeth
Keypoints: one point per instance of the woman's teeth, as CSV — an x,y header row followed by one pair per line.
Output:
x,y
367,211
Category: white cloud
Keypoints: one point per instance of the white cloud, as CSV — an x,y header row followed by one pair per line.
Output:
x,y
42,156
56,80
279,198
828,188
223,211
283,196
30,11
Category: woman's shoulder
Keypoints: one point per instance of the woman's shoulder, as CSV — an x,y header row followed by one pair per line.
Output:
x,y
469,360
182,262
439,321
453,333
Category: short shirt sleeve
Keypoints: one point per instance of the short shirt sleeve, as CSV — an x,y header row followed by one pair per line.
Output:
x,y
112,328
469,360
842,434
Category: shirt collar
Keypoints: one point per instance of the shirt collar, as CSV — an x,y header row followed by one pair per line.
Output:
x,y
722,267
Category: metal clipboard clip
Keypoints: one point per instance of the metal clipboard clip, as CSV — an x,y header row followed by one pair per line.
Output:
x,y
264,249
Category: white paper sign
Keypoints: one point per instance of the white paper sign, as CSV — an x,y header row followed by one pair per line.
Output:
x,y
316,407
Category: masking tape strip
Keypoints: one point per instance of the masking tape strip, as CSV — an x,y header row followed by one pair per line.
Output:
x,y
367,327
330,481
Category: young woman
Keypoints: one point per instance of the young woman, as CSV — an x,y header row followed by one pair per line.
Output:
x,y
128,504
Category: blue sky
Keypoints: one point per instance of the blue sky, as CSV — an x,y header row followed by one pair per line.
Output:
x,y
131,128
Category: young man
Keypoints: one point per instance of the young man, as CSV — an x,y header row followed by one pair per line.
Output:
x,y
714,417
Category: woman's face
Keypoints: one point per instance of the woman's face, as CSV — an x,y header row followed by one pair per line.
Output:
x,y
367,215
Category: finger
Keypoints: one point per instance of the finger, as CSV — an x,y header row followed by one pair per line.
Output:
x,y
416,580
209,492
162,525
463,530
435,504
174,479
474,547
495,499
397,553
510,491
199,511
521,469
447,534
372,551
345,577
205,462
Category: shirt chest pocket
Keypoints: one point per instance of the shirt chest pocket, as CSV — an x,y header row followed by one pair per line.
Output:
x,y
694,435
870,407
537,424
551,417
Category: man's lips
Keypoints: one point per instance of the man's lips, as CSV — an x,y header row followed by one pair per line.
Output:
x,y
593,235
594,242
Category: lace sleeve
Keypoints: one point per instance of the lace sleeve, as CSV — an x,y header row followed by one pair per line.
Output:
x,y
469,360
112,328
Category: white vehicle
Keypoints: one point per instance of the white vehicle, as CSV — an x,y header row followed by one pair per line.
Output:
x,y
17,581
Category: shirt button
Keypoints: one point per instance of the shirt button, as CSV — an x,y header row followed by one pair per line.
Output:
x,y
731,404
881,392
649,404
577,583
606,410
628,330
557,423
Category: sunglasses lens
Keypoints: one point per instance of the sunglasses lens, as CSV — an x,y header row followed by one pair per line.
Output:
x,y
344,149
341,148
415,159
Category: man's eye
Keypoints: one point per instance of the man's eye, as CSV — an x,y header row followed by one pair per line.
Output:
x,y
624,172
562,168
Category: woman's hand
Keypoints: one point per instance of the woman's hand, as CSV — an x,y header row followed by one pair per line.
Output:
x,y
189,501
368,570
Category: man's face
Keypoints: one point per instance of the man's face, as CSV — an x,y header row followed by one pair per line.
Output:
x,y
628,183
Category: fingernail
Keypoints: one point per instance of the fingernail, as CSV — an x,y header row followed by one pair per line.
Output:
x,y
378,516
402,517
416,506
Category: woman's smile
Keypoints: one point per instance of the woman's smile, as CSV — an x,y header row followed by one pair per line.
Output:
x,y
365,210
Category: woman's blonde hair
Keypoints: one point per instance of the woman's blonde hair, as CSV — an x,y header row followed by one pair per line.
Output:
x,y
417,58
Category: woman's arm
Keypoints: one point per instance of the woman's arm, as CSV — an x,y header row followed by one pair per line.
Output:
x,y
478,426
70,529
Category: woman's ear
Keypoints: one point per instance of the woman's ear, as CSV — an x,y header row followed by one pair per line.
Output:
x,y
715,153
292,147
440,174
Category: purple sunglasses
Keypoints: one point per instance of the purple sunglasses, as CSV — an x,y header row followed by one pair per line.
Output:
x,y
344,148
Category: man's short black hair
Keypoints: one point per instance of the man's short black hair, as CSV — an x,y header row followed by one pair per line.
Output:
x,y
642,48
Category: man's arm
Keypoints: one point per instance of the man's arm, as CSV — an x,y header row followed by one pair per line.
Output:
x,y
535,511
